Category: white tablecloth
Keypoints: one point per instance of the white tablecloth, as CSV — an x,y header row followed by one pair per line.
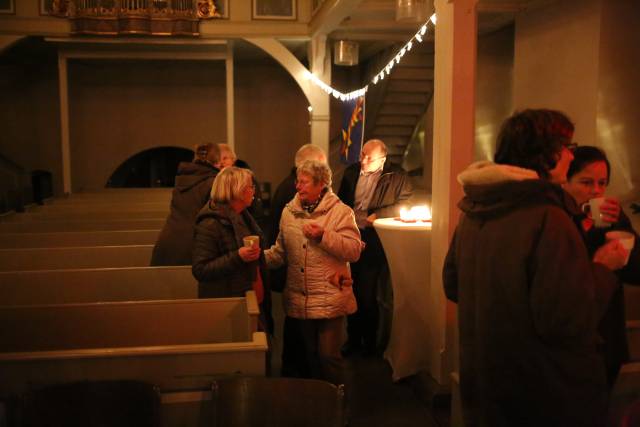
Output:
x,y
407,247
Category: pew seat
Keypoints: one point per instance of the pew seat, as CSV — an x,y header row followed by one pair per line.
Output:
x,y
29,259
67,239
96,285
81,225
176,345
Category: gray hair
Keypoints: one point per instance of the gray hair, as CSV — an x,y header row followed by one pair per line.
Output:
x,y
378,143
229,184
310,152
318,171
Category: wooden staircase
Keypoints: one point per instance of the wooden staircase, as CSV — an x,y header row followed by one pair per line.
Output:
x,y
397,104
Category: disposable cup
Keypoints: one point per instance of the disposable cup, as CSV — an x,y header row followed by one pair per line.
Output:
x,y
626,239
251,241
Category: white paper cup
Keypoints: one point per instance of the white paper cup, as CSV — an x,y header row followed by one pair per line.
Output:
x,y
251,241
626,239
593,208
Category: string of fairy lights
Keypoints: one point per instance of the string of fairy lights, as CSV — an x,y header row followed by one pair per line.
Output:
x,y
380,75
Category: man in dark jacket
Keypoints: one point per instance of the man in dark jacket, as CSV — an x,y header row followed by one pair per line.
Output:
x,y
374,189
293,361
191,193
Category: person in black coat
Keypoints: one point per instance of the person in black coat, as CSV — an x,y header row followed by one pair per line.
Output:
x,y
293,361
224,265
587,178
373,188
190,194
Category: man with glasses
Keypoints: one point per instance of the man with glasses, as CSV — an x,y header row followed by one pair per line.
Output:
x,y
373,188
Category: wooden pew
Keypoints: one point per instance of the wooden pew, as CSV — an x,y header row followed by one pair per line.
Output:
x,y
176,345
117,195
79,216
96,207
96,285
79,257
78,238
89,225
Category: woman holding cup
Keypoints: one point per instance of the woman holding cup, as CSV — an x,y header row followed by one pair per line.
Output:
x,y
318,238
604,221
227,259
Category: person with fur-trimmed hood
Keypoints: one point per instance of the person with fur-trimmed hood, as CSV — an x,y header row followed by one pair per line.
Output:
x,y
529,296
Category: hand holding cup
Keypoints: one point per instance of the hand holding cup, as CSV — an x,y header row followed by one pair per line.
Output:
x,y
610,210
612,255
251,249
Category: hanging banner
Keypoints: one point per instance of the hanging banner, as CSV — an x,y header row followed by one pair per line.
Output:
x,y
352,130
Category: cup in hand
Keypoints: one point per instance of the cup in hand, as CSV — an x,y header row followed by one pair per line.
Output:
x,y
251,241
625,238
593,208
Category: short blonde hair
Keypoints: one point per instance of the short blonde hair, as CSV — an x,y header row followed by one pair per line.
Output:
x,y
318,171
229,184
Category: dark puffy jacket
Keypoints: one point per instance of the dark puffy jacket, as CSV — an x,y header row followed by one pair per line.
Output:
x,y
217,264
191,192
529,302
613,325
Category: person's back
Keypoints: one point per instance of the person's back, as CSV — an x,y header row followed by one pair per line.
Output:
x,y
190,194
529,296
528,346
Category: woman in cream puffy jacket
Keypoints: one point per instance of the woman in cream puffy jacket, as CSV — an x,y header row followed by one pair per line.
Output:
x,y
318,238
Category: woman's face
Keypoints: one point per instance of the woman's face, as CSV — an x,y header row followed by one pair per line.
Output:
x,y
247,194
589,183
308,191
558,175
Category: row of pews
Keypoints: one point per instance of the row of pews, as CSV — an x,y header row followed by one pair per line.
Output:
x,y
78,301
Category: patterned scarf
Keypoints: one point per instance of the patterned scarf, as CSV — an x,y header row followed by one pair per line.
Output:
x,y
312,206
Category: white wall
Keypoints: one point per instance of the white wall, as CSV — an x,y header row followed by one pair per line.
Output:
x,y
583,57
556,62
494,81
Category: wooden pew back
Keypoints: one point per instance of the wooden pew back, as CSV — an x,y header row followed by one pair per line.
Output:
x,y
80,257
69,239
96,285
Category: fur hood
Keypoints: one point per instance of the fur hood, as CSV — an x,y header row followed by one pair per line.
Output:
x,y
492,190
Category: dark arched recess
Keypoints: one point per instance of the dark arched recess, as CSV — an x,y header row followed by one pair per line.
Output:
x,y
155,167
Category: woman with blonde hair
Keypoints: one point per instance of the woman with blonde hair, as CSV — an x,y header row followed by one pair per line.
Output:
x,y
223,265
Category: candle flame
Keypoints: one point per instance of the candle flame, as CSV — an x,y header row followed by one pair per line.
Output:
x,y
415,213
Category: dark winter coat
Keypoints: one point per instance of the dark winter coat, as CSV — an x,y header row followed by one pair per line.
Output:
x,y
613,325
191,192
529,302
393,188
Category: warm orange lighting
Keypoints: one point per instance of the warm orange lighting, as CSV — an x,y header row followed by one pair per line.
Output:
x,y
416,213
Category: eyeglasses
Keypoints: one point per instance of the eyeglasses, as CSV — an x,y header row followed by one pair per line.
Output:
x,y
571,146
371,159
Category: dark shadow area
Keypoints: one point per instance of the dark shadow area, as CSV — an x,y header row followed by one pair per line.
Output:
x,y
155,167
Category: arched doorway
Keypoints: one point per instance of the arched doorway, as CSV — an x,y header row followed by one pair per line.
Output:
x,y
155,167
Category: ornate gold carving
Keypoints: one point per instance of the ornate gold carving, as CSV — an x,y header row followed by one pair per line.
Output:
x,y
147,17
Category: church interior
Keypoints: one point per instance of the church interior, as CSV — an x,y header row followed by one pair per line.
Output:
x,y
100,100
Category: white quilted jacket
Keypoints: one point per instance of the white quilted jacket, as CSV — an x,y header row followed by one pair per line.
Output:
x,y
308,293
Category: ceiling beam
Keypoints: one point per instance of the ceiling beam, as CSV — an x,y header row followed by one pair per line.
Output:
x,y
330,15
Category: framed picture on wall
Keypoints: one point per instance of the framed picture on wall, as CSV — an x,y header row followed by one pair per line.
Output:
x,y
54,7
7,6
274,9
